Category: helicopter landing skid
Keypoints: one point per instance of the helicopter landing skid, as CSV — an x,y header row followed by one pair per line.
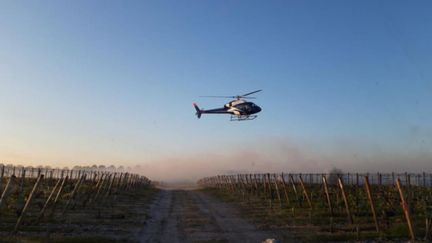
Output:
x,y
243,118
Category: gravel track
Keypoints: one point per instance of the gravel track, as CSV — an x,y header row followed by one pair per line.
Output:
x,y
193,216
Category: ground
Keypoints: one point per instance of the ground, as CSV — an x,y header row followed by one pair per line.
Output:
x,y
174,215
193,216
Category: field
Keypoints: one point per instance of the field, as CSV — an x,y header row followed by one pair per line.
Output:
x,y
332,207
53,205
39,205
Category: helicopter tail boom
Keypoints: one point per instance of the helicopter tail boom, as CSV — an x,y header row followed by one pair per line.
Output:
x,y
198,111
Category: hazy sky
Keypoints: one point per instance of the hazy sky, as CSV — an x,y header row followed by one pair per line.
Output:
x,y
345,83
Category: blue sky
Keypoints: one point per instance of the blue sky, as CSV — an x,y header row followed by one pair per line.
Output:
x,y
113,81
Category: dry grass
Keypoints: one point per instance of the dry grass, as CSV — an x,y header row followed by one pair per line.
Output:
x,y
316,224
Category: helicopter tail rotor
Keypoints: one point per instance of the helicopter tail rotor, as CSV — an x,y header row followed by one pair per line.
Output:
x,y
198,111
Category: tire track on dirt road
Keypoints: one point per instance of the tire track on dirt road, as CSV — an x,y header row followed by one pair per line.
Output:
x,y
192,216
160,227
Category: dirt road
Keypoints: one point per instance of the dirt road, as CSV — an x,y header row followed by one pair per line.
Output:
x,y
192,216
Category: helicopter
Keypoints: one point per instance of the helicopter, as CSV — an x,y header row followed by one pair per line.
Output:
x,y
239,108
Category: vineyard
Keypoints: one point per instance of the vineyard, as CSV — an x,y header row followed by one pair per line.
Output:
x,y
331,207
100,205
43,202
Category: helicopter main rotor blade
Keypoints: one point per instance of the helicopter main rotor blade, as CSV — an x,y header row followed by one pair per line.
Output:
x,y
216,96
234,97
256,91
225,97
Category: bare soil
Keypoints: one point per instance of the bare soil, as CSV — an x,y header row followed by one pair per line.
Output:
x,y
193,216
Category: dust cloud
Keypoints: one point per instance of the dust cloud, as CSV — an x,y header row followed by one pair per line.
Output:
x,y
281,155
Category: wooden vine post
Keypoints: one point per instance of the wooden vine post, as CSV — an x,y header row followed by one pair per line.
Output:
x,y
11,183
56,199
267,176
39,179
74,191
294,187
306,194
1,176
49,199
371,202
241,186
255,185
264,186
233,189
277,190
326,190
406,210
110,185
99,186
247,185
284,186
347,207
23,175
